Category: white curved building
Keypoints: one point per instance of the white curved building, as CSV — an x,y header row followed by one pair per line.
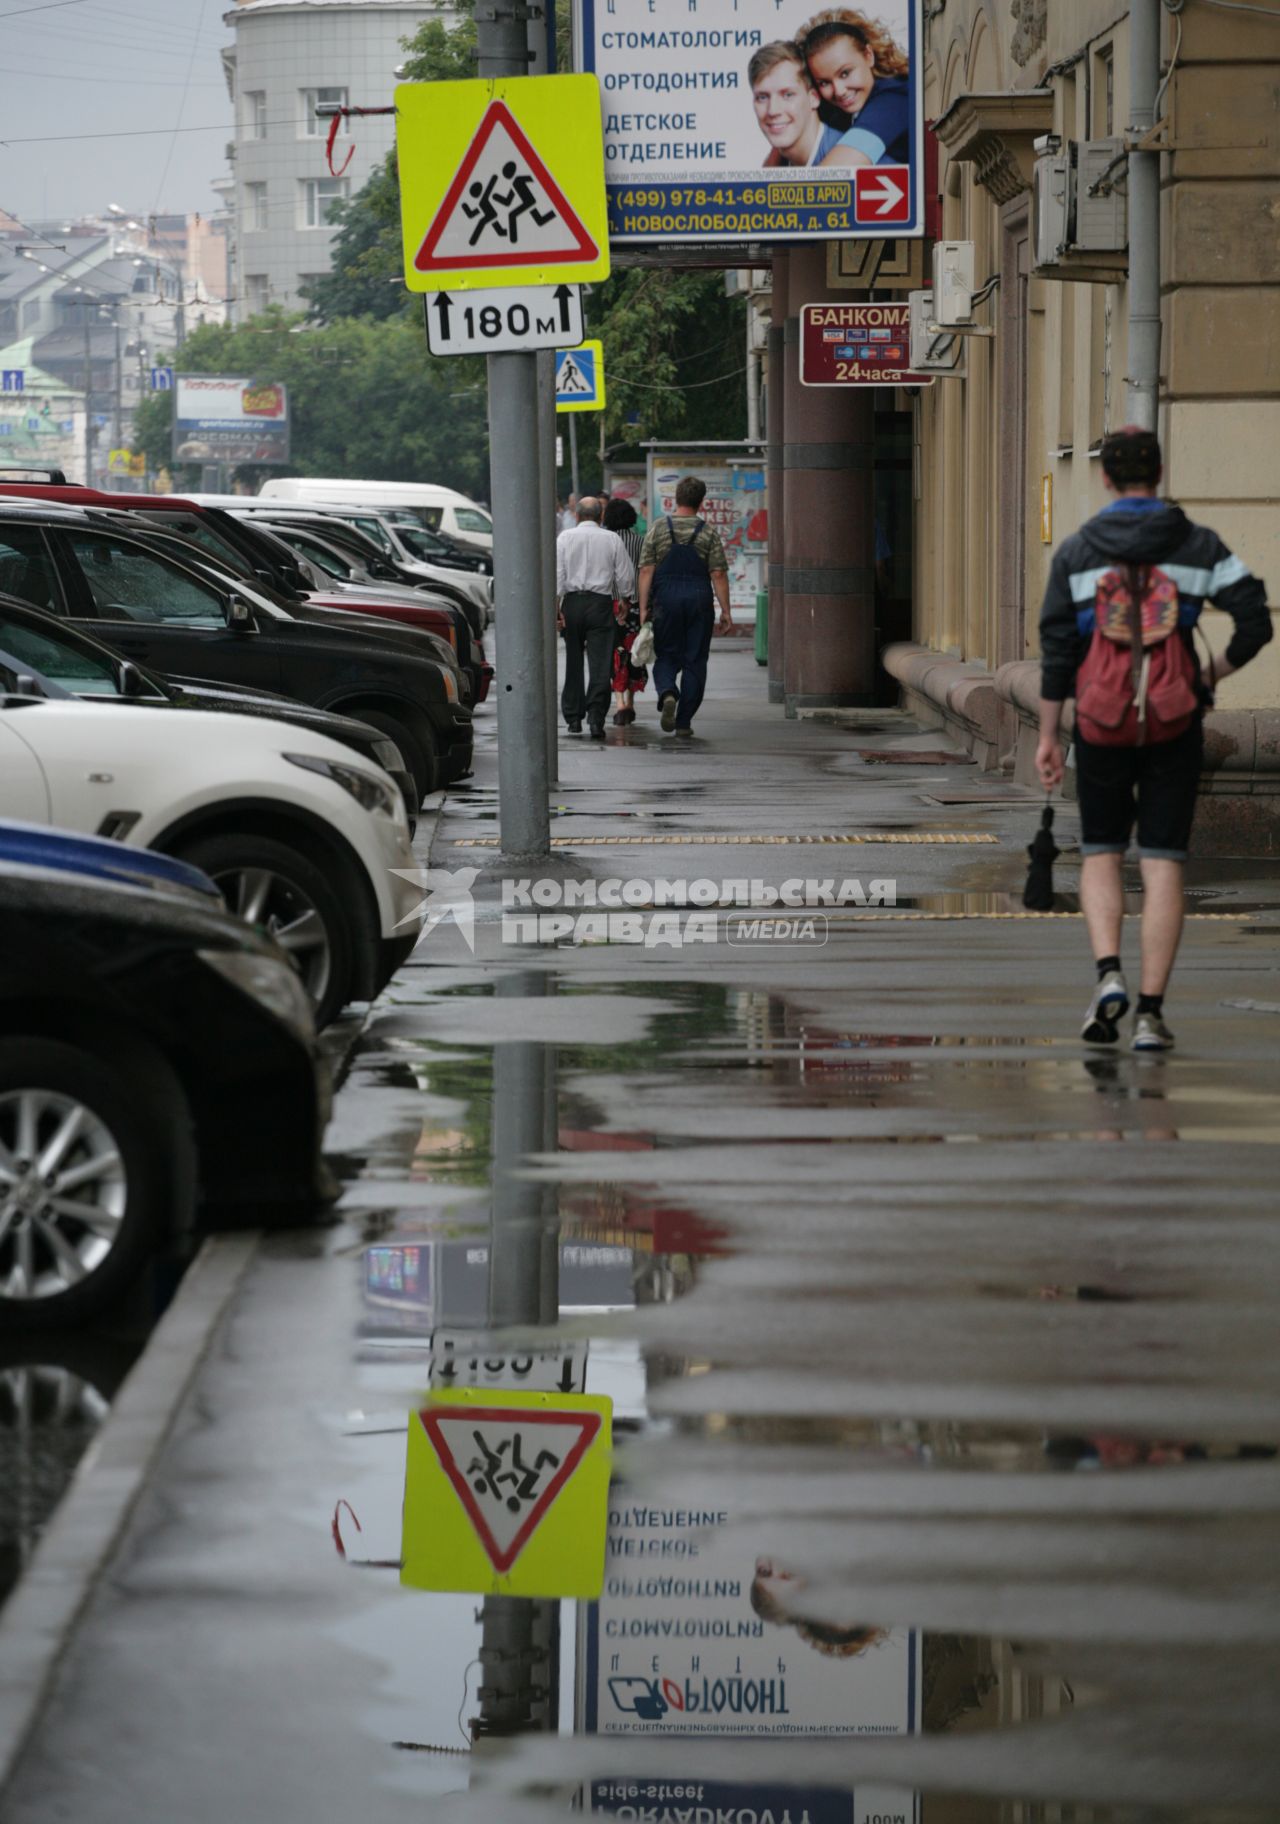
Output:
x,y
289,56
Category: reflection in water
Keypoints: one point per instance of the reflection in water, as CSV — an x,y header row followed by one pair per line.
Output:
x,y
901,1476
55,1394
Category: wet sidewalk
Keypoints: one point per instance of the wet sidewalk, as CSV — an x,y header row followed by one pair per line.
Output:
x,y
944,1346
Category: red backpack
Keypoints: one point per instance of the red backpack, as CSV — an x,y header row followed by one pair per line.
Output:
x,y
1137,684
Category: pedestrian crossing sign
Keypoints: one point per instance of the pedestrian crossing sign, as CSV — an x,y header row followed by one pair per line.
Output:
x,y
580,378
502,181
507,1493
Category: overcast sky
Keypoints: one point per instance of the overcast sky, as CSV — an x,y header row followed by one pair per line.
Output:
x,y
107,67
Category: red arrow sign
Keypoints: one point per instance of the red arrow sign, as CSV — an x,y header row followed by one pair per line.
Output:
x,y
882,193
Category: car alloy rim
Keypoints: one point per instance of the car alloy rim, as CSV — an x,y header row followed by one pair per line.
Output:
x,y
276,905
63,1193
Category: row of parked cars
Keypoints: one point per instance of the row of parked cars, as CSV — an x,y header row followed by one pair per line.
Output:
x,y
213,750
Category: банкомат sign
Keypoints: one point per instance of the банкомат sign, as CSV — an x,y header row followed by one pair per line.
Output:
x,y
758,119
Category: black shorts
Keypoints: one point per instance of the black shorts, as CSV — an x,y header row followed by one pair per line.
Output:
x,y
1158,784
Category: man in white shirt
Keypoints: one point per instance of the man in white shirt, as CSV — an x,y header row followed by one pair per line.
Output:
x,y
592,571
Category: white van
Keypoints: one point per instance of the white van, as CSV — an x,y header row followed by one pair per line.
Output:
x,y
439,509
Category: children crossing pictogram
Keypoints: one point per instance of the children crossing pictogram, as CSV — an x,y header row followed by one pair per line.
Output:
x,y
507,1490
503,208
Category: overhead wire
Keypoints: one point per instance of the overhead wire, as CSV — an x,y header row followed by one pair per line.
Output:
x,y
182,103
47,6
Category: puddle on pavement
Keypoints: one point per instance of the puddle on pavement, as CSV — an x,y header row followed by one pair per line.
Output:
x,y
55,1393
936,1499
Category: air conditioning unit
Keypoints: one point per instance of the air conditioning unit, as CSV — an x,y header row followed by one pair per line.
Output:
x,y
1079,208
933,348
953,284
1101,224
1051,200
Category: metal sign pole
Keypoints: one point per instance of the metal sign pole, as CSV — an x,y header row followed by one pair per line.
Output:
x,y
550,528
515,496
573,457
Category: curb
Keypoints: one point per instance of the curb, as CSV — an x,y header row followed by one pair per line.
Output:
x,y
38,1623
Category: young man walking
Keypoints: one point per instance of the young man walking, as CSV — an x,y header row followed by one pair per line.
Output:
x,y
1138,555
683,572
592,572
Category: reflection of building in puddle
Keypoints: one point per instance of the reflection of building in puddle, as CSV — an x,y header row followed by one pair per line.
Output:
x,y
416,1285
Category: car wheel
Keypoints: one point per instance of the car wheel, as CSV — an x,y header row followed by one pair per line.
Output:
x,y
85,1181
279,890
417,748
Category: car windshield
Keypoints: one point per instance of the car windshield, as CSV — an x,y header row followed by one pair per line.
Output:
x,y
470,519
418,543
67,669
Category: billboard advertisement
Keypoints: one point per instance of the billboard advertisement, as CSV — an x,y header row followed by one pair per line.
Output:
x,y
225,418
735,506
740,120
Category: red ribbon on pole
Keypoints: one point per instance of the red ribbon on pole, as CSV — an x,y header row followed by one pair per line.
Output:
x,y
334,124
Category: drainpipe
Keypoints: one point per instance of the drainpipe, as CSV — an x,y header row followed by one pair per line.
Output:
x,y
1142,397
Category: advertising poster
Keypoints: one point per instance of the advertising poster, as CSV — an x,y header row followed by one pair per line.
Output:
x,y
220,418
735,506
735,120
694,1636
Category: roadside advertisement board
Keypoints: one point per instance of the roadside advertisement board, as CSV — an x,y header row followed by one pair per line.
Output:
x,y
225,418
857,345
735,506
750,120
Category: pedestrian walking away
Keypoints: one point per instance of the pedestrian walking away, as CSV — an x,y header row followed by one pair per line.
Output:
x,y
592,572
628,677
683,573
569,514
1116,633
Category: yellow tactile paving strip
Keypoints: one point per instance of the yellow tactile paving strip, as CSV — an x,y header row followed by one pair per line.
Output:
x,y
716,841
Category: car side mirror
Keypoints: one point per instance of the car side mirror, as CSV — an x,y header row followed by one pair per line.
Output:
x,y
130,680
240,614
25,685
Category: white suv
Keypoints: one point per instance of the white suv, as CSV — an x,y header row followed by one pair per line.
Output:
x,y
304,842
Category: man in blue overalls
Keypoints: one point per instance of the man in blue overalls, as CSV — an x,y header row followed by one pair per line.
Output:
x,y
683,573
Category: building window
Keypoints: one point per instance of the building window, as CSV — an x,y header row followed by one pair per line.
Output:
x,y
255,205
320,195
255,114
313,126
1104,90
255,293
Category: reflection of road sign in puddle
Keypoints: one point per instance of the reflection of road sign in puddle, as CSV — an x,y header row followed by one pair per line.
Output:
x,y
507,1492
503,208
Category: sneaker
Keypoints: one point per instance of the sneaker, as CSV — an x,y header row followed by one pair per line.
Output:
x,y
669,705
686,732
1150,1033
574,728
1109,1005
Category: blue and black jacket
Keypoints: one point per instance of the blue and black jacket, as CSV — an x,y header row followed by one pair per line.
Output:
x,y
1142,531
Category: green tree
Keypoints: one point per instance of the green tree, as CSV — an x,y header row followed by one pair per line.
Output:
x,y
365,399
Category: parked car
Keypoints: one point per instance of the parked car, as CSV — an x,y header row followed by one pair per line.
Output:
x,y
439,547
252,554
157,1069
76,664
439,509
303,844
30,846
167,611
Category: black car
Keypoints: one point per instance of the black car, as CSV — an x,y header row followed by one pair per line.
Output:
x,y
85,667
174,616
157,1061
